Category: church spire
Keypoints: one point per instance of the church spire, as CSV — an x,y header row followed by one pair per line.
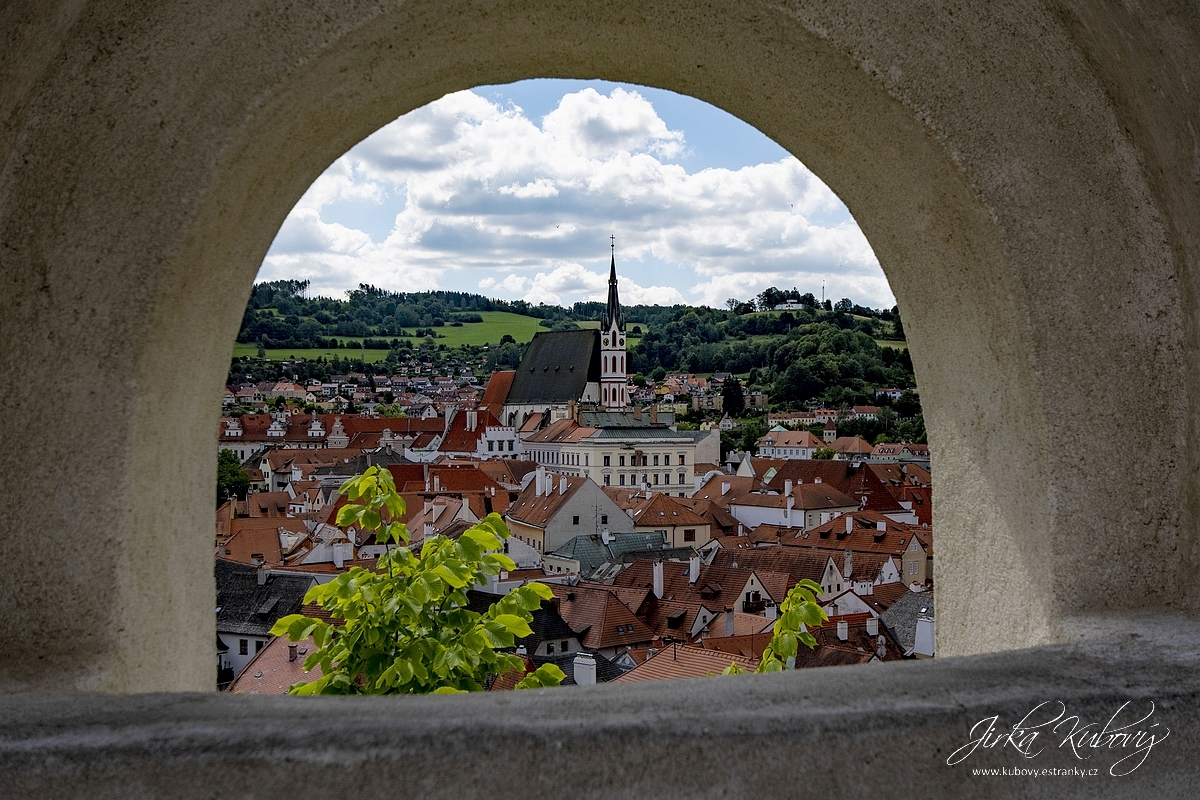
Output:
x,y
613,312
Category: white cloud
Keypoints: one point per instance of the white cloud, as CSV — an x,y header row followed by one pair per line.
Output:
x,y
481,189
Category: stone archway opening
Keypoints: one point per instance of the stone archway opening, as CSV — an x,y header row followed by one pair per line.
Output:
x,y
1023,244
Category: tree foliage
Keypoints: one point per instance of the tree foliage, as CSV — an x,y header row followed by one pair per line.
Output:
x,y
732,399
798,610
406,628
232,480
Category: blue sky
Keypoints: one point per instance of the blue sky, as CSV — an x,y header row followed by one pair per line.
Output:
x,y
513,191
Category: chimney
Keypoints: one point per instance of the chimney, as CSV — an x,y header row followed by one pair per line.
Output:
x,y
881,525
584,669
521,650
787,512
694,570
847,568
881,647
849,524
772,612
292,652
724,488
562,485
606,536
262,574
741,529
873,626
787,487
472,419
658,579
728,621
843,630
924,644
539,482
653,413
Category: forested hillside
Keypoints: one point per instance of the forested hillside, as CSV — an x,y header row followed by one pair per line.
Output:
x,y
834,353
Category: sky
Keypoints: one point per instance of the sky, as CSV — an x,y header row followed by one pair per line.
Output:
x,y
513,191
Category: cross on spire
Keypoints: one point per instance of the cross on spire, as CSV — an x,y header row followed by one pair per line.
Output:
x,y
613,243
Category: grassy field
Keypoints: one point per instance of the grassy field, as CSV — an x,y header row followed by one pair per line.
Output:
x,y
307,353
495,324
892,343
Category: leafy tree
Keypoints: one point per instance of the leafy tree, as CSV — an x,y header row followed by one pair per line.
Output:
x,y
232,480
658,374
798,610
909,405
732,398
406,628
824,453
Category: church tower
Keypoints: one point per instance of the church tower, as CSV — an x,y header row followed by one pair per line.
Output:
x,y
614,395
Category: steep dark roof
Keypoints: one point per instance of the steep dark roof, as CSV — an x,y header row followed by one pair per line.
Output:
x,y
243,606
613,311
557,367
606,669
901,618
547,622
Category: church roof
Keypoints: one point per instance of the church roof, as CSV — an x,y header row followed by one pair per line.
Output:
x,y
557,367
613,311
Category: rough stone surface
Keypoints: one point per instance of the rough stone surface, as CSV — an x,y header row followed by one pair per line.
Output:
x,y
1027,172
882,731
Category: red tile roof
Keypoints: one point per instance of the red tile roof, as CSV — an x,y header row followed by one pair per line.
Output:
x,y
684,661
599,617
271,671
497,391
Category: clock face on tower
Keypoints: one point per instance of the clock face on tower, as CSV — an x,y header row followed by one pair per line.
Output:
x,y
621,343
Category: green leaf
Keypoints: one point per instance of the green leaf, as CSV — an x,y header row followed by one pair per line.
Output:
x,y
282,624
515,625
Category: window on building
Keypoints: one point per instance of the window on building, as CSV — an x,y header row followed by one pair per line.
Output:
x,y
912,568
549,648
606,480
574,520
689,534
510,445
565,646
258,645
681,461
607,461
604,519
644,461
491,446
622,478
681,480
656,459
667,478
243,647
667,459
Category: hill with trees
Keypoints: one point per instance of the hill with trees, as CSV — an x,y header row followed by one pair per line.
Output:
x,y
830,353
